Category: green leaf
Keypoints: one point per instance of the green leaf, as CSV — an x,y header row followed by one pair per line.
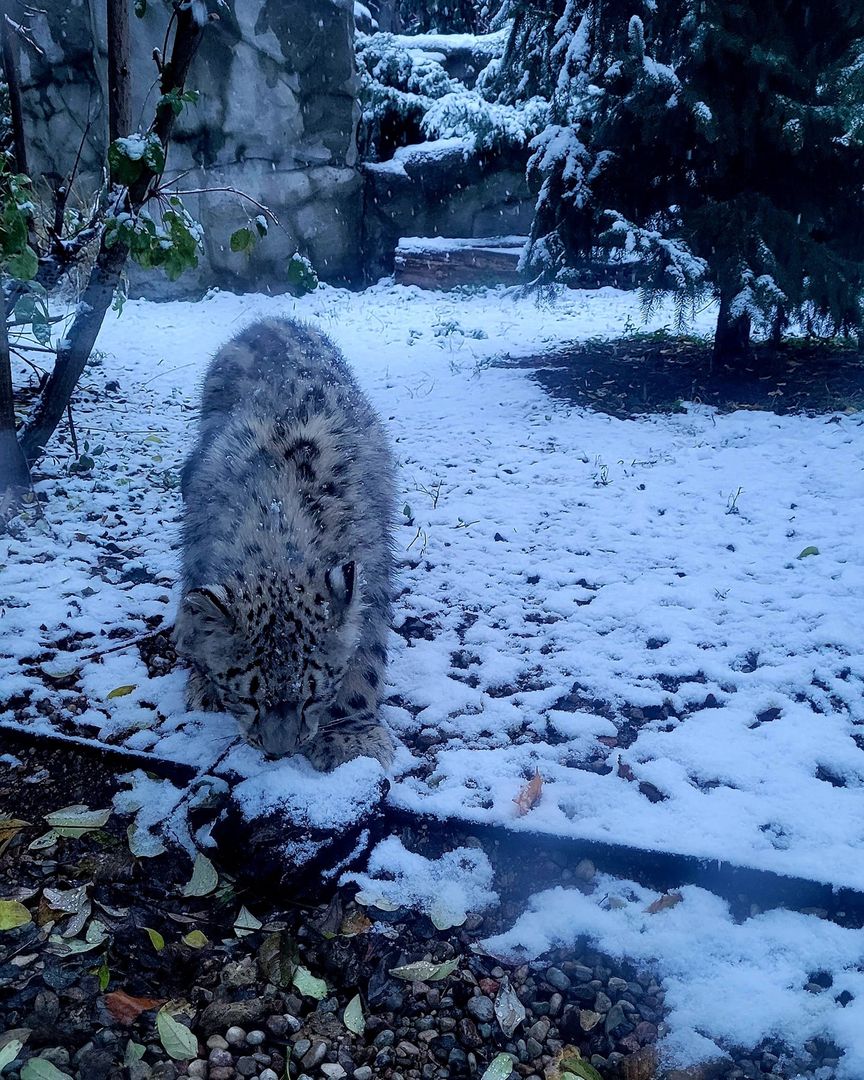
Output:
x,y
445,917
246,923
23,265
581,1070
124,170
134,1052
156,939
204,878
301,275
9,1052
104,976
242,240
41,1069
154,153
140,8
308,985
178,1040
196,940
499,1068
13,915
353,1016
425,970
122,691
808,551
74,821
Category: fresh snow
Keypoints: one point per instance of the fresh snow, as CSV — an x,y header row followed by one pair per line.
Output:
x,y
571,574
726,983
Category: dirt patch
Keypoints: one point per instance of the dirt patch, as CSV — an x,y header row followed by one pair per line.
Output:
x,y
657,372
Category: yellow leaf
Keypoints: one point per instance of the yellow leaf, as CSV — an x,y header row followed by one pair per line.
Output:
x,y
195,939
156,939
13,915
121,691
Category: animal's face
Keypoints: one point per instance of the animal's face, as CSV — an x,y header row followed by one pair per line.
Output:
x,y
272,653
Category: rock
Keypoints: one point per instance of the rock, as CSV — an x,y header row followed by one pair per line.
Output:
x,y
220,1015
279,1027
57,1055
313,1057
468,1034
268,1074
95,1064
481,1008
362,1073
246,1065
222,1072
255,1038
239,974
219,1057
539,1030
533,1048
216,1042
581,973
602,1003
383,1038
585,870
334,1071
615,1018
588,1019
557,979
235,1036
197,1068
301,1047
640,1066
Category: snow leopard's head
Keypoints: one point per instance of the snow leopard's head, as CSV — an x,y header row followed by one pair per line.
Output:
x,y
272,652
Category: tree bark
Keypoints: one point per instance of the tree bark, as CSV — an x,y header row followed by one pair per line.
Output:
x,y
119,68
732,336
14,473
16,112
75,349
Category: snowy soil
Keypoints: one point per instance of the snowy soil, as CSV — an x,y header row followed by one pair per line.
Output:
x,y
620,604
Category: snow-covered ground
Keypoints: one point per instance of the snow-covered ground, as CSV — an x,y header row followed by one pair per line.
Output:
x,y
621,604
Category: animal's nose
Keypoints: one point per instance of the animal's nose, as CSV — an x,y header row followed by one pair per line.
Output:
x,y
279,729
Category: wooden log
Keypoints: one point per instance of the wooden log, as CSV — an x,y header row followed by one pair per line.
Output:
x,y
438,263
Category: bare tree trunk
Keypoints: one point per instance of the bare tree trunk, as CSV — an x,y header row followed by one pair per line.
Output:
x,y
119,71
14,473
75,349
732,336
16,112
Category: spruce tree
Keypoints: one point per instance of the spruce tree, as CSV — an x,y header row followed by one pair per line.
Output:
x,y
723,140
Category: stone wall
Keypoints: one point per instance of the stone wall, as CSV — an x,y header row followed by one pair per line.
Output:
x,y
441,189
277,119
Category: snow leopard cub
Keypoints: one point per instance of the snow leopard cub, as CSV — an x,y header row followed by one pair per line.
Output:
x,y
287,555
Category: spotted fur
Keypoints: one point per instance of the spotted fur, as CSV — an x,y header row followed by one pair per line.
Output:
x,y
287,555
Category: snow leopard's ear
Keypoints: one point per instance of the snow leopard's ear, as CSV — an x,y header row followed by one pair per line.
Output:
x,y
212,602
340,586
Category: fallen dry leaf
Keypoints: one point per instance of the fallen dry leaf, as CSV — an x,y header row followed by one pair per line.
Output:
x,y
530,795
126,1009
664,902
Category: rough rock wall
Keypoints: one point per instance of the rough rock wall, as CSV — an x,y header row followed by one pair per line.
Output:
x,y
441,189
276,119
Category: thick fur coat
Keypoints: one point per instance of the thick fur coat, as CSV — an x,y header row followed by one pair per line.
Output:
x,y
287,559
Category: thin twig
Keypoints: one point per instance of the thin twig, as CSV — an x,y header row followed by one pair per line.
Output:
x,y
39,370
161,192
72,430
122,645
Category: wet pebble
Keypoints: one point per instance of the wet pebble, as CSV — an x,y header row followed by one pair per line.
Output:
x,y
482,1009
557,979
235,1036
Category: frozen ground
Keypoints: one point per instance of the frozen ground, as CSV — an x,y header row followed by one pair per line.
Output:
x,y
622,605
